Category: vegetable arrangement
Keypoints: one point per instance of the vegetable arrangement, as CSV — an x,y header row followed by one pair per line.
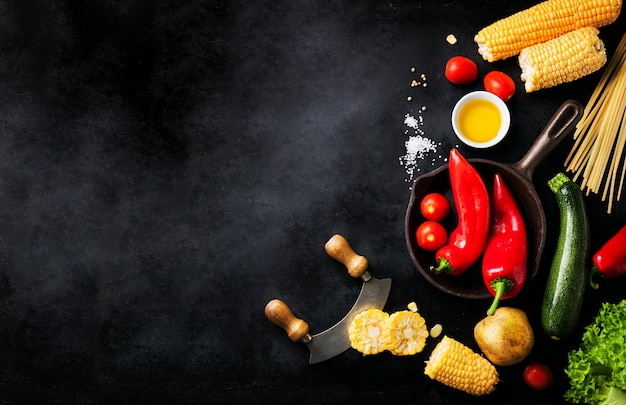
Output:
x,y
551,51
492,227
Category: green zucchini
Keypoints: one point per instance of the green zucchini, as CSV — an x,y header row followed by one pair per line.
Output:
x,y
565,288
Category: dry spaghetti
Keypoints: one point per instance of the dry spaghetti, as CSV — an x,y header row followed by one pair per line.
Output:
x,y
597,156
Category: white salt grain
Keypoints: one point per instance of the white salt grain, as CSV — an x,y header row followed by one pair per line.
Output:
x,y
411,121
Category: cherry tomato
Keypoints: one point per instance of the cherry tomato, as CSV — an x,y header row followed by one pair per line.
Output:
x,y
538,376
461,70
500,84
435,206
431,235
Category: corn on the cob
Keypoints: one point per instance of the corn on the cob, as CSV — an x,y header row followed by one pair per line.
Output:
x,y
542,22
368,332
407,333
563,59
457,366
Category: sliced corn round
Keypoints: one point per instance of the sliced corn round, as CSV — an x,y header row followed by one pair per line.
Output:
x,y
407,333
368,332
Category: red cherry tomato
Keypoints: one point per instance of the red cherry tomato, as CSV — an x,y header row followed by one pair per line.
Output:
x,y
435,206
538,376
431,235
461,70
500,84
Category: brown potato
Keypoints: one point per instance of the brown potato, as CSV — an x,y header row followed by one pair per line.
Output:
x,y
505,337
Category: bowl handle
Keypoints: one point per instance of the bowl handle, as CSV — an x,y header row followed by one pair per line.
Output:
x,y
562,123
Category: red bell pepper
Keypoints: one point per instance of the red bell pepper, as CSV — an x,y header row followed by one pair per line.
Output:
x,y
504,258
610,260
471,199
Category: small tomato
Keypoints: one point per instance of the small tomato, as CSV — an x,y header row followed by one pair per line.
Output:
x,y
461,70
435,206
500,84
431,235
538,376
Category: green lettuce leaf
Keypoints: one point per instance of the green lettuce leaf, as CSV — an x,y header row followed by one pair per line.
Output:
x,y
597,369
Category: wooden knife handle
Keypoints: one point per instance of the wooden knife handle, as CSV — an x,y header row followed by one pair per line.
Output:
x,y
339,249
279,314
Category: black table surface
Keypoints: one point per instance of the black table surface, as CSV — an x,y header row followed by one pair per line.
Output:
x,y
168,167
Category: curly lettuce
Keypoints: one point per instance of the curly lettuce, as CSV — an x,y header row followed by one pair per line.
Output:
x,y
597,369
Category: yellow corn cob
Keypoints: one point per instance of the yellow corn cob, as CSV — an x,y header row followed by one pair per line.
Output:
x,y
542,22
407,333
368,332
563,59
457,366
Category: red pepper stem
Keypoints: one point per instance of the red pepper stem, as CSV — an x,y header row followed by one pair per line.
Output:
x,y
443,266
594,271
501,286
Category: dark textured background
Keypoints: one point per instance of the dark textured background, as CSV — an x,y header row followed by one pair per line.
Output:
x,y
167,168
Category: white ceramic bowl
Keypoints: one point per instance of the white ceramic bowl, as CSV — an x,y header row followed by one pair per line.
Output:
x,y
503,128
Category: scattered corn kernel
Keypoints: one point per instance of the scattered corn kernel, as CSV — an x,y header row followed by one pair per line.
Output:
x,y
451,39
412,306
436,330
457,366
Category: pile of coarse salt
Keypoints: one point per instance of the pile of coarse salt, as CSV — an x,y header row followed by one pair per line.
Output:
x,y
417,145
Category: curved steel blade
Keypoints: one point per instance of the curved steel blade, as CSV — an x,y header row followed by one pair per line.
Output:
x,y
335,340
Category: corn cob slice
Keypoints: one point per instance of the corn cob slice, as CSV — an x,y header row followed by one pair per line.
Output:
x,y
542,22
563,59
368,332
457,366
407,333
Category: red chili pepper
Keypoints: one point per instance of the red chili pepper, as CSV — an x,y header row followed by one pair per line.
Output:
x,y
610,260
504,258
467,240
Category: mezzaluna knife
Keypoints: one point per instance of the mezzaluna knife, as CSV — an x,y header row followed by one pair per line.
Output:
x,y
335,340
